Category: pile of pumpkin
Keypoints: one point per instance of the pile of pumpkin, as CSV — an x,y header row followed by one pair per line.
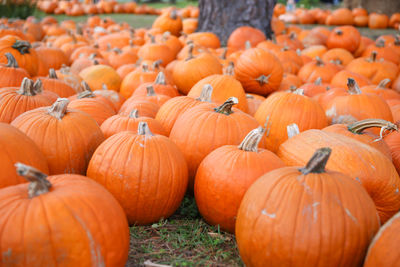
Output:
x,y
342,16
291,145
87,7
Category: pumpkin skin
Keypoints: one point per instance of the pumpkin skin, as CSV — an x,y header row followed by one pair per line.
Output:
x,y
170,21
76,210
338,55
135,78
259,71
341,77
388,236
363,163
15,101
254,101
53,84
144,107
393,141
155,182
17,147
160,86
11,74
346,37
50,58
284,108
238,38
80,136
284,219
315,69
97,75
226,173
201,129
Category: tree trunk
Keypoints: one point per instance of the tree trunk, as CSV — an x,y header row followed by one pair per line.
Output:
x,y
223,16
387,7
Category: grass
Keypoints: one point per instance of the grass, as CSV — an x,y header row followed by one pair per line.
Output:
x,y
180,4
183,240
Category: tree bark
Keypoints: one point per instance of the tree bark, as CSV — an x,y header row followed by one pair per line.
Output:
x,y
223,16
387,7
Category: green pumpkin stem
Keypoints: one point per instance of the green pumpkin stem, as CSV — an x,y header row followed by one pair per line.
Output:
x,y
252,139
59,108
317,162
52,74
226,107
27,87
206,93
352,86
38,184
11,61
143,129
23,47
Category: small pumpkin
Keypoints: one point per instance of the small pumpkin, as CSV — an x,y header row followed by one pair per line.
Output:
x,y
97,75
346,37
11,74
238,38
53,84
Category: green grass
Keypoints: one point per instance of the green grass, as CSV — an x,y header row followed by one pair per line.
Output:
x,y
180,4
183,240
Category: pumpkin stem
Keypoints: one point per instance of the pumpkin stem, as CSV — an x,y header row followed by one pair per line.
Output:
x,y
382,84
252,139
160,79
117,50
338,32
298,91
22,46
319,62
359,126
374,54
38,86
165,36
343,119
152,39
27,87
292,130
87,92
134,114
104,86
318,81
353,87
11,61
247,45
156,64
206,93
226,107
397,40
380,43
52,74
263,79
59,108
190,52
143,129
317,162
38,183
249,96
150,90
230,70
173,14
224,52
145,67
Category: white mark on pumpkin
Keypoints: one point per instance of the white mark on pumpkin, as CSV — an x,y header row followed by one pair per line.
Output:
x,y
358,180
7,254
142,145
350,215
396,191
315,210
331,112
271,215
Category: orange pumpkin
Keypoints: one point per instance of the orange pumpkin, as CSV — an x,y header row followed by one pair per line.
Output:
x,y
318,69
378,21
253,102
241,35
53,84
341,16
11,74
169,21
97,75
346,37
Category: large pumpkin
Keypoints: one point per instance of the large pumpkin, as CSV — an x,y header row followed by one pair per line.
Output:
x,y
305,216
66,137
146,173
73,221
224,176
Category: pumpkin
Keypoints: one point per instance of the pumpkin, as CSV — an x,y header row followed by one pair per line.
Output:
x,y
11,74
378,21
361,21
393,141
259,71
160,86
173,108
338,55
290,40
136,78
284,218
346,37
17,147
396,84
115,99
382,52
363,163
284,108
188,72
157,188
315,88
204,39
50,58
314,51
223,86
63,211
97,75
22,51
381,90
205,127
170,22
70,78
341,77
171,41
290,60
15,101
341,16
226,173
253,102
118,58
156,51
151,96
318,69
365,41
125,70
145,108
80,136
241,35
53,84
394,20
290,82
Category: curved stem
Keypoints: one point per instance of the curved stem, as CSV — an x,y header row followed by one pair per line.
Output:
x,y
173,14
206,93
359,126
382,84
38,184
52,74
317,162
160,79
150,90
230,70
190,52
22,46
252,139
87,92
318,81
11,61
134,114
143,129
27,88
38,86
226,107
353,87
319,62
224,52
59,108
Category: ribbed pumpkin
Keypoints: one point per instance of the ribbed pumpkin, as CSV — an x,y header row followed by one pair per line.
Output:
x,y
169,21
173,108
383,51
146,173
22,51
53,84
97,75
284,108
259,71
205,127
315,88
75,136
363,163
381,90
241,35
223,86
144,107
189,71
120,122
226,174
136,78
11,74
115,98
151,96
346,37
253,102
17,147
285,218
118,58
356,131
338,55
73,221
156,51
204,39
379,252
160,86
341,77
15,101
393,141
50,58
318,69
